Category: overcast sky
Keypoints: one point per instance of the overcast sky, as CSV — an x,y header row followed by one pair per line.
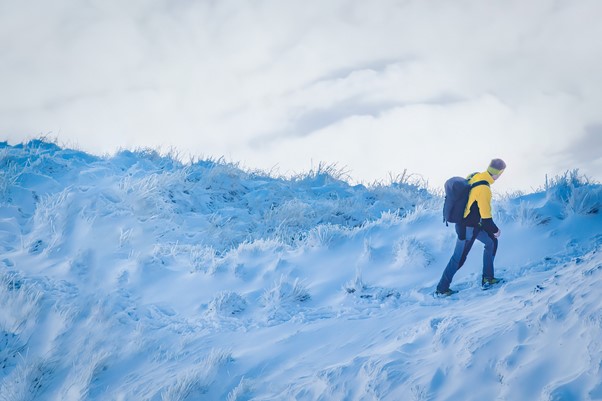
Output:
x,y
436,87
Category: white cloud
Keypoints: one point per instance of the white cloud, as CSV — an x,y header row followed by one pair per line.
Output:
x,y
434,87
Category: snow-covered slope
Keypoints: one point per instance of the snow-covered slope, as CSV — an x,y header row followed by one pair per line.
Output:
x,y
135,277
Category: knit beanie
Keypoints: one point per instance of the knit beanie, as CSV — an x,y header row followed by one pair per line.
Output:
x,y
496,167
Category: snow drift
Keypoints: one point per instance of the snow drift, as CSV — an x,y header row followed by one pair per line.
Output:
x,y
137,277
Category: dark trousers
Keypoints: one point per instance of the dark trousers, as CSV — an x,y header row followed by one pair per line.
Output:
x,y
461,251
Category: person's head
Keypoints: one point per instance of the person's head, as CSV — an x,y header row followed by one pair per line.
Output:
x,y
496,168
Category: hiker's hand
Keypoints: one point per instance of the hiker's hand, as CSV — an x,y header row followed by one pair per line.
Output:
x,y
499,232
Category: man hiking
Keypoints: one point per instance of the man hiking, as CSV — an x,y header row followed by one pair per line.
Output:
x,y
477,224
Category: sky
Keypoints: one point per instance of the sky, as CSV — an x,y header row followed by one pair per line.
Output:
x,y
431,88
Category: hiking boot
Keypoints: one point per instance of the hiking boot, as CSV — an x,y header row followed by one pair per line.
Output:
x,y
488,282
445,293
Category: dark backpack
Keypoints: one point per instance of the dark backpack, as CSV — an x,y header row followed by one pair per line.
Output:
x,y
457,190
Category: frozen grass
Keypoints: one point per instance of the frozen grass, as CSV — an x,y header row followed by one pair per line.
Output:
x,y
209,195
576,192
193,383
324,235
29,381
80,379
410,252
285,292
284,300
19,304
242,392
10,171
563,196
126,277
228,304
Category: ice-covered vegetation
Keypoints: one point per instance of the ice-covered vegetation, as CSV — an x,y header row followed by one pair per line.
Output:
x,y
139,277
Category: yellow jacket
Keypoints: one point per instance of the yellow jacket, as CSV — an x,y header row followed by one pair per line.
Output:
x,y
480,194
478,208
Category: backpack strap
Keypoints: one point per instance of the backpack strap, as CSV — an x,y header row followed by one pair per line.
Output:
x,y
476,184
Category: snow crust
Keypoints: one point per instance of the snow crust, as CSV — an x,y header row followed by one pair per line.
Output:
x,y
137,277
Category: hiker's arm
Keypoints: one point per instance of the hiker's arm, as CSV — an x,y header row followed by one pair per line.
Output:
x,y
484,203
489,226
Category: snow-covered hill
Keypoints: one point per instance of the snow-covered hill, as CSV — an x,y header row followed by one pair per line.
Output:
x,y
135,277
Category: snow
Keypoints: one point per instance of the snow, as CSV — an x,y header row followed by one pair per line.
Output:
x,y
138,277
